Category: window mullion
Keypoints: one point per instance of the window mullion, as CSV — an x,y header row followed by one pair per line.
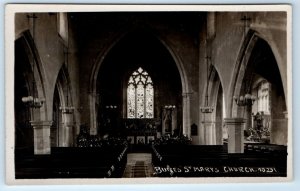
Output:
x,y
135,104
145,101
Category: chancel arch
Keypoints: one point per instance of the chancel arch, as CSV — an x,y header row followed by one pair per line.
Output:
x,y
138,51
177,66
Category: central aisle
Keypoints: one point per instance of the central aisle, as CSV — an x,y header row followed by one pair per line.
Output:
x,y
139,165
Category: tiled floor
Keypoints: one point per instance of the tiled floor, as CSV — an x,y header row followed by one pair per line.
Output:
x,y
138,165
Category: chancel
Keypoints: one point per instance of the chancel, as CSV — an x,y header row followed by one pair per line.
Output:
x,y
150,94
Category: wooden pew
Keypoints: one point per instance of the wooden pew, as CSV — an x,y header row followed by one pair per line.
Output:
x,y
214,161
72,163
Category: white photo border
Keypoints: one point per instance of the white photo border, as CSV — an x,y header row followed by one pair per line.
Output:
x,y
11,9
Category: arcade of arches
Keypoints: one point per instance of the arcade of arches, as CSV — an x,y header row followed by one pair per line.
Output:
x,y
144,77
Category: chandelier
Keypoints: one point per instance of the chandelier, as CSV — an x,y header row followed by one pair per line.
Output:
x,y
247,100
33,102
111,107
169,106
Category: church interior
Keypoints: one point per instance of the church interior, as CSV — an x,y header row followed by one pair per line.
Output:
x,y
150,94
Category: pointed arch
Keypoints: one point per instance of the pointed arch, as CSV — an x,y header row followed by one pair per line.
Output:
x,y
215,92
256,55
37,69
241,67
102,55
61,99
63,86
217,100
239,70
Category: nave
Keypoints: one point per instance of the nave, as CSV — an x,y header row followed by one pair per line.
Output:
x,y
150,94
118,159
139,165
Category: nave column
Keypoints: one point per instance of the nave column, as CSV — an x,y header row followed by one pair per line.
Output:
x,y
235,128
209,130
186,130
42,143
67,127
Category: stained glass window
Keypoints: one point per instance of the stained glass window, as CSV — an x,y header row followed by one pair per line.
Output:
x,y
140,92
131,101
263,97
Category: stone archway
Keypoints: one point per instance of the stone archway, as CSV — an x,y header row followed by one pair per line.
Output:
x,y
179,64
213,128
23,87
257,58
34,75
63,127
239,70
216,92
25,40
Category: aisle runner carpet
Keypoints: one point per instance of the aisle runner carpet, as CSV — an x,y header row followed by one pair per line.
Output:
x,y
139,169
138,165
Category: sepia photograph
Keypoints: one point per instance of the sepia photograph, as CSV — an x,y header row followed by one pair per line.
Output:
x,y
122,93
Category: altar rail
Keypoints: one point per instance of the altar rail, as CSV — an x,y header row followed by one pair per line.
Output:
x,y
71,162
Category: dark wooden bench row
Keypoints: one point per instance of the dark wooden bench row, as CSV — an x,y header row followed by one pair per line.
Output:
x,y
191,148
211,161
72,163
265,148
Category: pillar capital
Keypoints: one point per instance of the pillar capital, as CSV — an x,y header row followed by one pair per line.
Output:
x,y
41,124
186,94
207,121
234,120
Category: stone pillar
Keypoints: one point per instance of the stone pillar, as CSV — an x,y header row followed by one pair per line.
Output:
x,y
174,120
279,129
93,117
163,125
67,129
41,130
186,114
209,132
235,134
248,122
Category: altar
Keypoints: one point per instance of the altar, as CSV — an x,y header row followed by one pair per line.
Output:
x,y
142,131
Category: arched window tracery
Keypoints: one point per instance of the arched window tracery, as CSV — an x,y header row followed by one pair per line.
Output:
x,y
140,95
